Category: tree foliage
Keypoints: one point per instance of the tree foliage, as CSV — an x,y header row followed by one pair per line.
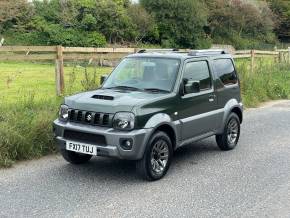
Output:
x,y
281,9
180,23
144,23
169,23
14,12
106,17
241,22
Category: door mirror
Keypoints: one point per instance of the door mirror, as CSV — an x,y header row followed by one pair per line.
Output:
x,y
192,86
103,79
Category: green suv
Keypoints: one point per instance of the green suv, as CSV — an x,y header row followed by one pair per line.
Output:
x,y
153,102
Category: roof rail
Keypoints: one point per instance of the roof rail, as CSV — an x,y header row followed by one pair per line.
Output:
x,y
158,50
207,52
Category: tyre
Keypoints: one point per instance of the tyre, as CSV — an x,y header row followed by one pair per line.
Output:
x,y
157,157
229,138
75,158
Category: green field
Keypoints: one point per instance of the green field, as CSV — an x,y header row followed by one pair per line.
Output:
x,y
28,102
18,79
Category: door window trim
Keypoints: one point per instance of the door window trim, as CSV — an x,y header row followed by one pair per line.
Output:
x,y
234,66
204,91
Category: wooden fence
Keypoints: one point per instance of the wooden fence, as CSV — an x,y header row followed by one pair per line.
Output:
x,y
61,54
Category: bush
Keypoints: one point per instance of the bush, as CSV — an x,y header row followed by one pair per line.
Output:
x,y
56,35
24,38
94,39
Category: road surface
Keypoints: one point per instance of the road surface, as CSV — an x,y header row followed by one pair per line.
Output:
x,y
251,181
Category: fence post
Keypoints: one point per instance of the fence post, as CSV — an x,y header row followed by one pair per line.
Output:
x,y
57,78
59,71
280,56
1,42
252,61
101,60
289,55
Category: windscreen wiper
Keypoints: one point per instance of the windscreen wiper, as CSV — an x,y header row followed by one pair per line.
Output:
x,y
126,88
155,90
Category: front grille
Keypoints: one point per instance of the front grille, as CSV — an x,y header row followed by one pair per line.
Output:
x,y
85,137
91,118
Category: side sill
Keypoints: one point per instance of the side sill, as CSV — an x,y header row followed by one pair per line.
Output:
x,y
195,139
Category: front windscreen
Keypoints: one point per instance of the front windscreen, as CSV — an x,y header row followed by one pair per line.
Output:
x,y
144,73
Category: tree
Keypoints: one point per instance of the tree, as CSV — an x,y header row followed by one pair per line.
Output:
x,y
108,17
281,8
180,23
13,12
114,21
124,3
236,21
143,21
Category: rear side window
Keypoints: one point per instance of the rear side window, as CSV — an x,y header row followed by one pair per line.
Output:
x,y
225,71
198,71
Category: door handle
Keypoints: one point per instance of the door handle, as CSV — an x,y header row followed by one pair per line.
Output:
x,y
211,98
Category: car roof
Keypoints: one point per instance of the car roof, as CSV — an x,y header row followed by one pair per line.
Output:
x,y
182,55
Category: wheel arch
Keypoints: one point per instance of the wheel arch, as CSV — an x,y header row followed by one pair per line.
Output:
x,y
163,122
168,129
239,112
232,106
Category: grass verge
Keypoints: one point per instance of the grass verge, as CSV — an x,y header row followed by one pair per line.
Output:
x,y
269,81
28,105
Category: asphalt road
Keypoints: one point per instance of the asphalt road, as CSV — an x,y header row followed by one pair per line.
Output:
x,y
251,181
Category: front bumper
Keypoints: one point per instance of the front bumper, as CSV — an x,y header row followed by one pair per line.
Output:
x,y
113,147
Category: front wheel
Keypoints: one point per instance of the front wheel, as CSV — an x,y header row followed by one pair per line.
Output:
x,y
228,140
157,157
75,158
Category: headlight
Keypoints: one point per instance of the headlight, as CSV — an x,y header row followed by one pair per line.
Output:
x,y
63,112
124,121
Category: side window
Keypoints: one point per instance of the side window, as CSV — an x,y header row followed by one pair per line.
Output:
x,y
225,71
198,71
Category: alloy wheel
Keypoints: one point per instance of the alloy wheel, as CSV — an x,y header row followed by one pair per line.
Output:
x,y
159,156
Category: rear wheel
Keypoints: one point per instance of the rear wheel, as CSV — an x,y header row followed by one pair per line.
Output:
x,y
157,157
75,158
228,140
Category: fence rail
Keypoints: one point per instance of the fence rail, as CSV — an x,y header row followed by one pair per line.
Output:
x,y
60,54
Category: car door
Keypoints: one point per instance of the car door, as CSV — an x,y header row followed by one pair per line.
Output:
x,y
197,107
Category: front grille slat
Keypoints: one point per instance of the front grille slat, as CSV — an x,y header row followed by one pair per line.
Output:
x,y
72,114
97,119
106,119
79,116
91,118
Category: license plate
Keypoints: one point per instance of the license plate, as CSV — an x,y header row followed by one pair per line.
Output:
x,y
81,148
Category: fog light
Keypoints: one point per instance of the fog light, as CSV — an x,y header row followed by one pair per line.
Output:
x,y
126,144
